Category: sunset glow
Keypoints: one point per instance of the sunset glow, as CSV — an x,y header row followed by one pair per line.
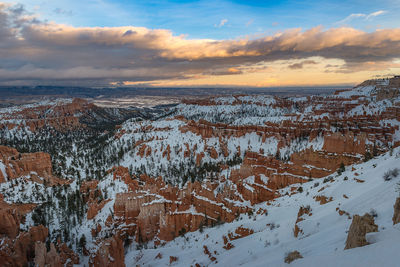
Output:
x,y
61,47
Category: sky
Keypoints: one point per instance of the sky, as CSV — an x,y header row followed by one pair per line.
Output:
x,y
198,43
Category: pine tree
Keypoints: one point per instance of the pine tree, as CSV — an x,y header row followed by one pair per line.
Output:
x,y
82,243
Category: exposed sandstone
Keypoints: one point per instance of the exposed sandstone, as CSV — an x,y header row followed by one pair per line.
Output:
x,y
44,258
360,226
67,256
300,217
294,255
213,153
172,259
240,232
18,164
165,212
110,252
21,250
345,143
95,207
208,253
32,164
121,173
396,213
227,244
9,221
40,254
323,199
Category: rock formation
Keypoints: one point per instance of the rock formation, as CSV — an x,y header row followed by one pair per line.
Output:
x,y
291,256
110,252
360,226
220,167
396,213
300,217
18,164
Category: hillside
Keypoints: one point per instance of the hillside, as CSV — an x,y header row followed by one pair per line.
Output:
x,y
227,180
322,236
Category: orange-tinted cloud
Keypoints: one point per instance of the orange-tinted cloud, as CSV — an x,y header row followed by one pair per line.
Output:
x,y
36,51
364,66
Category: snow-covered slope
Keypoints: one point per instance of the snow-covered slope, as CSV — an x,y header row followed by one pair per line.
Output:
x,y
360,189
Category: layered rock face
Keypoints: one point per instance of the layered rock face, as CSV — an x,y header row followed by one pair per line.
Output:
x,y
110,252
165,212
30,166
30,247
44,258
10,218
17,164
20,248
34,166
339,143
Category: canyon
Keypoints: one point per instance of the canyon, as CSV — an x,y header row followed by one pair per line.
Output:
x,y
121,180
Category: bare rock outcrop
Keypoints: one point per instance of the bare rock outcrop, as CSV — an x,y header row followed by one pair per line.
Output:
x,y
44,258
9,221
360,226
345,143
19,248
300,217
18,164
291,256
396,214
21,251
110,253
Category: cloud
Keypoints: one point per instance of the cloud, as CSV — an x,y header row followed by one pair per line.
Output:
x,y
221,23
300,65
361,15
351,17
128,32
249,22
60,11
224,71
332,66
374,14
38,52
351,67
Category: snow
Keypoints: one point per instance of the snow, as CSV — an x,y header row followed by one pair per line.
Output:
x,y
382,252
324,232
252,110
359,91
24,190
323,240
15,109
